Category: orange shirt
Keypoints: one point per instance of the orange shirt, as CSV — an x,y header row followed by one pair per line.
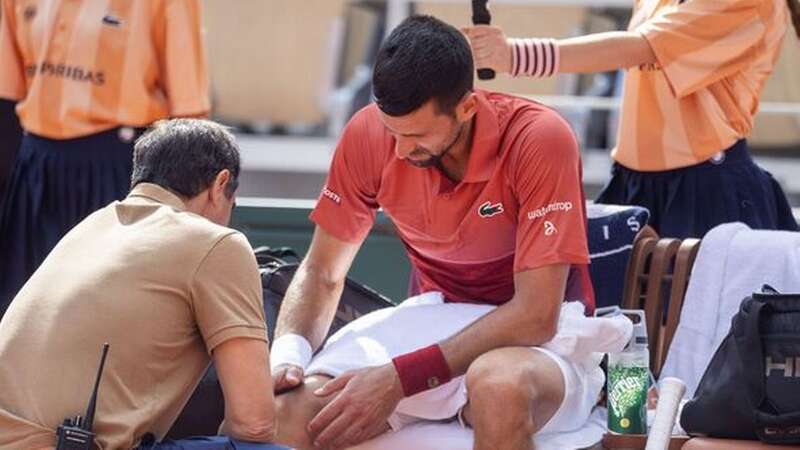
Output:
x,y
520,205
714,57
78,67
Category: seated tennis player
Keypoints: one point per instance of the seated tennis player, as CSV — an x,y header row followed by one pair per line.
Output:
x,y
485,192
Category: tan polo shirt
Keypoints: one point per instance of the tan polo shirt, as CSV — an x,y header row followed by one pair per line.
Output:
x,y
78,67
162,286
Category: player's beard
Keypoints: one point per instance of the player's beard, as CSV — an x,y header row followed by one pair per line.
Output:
x,y
435,159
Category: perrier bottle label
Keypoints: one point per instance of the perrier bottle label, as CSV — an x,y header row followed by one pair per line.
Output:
x,y
627,399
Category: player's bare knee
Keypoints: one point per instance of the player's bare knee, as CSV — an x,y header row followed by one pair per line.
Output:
x,y
507,373
294,410
499,386
502,388
291,429
516,383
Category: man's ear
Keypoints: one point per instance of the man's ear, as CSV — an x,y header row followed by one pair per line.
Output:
x,y
467,107
218,187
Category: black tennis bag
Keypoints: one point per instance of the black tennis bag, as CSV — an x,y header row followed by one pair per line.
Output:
x,y
751,387
205,410
277,268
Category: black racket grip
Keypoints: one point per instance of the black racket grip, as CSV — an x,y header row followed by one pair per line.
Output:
x,y
480,12
486,74
481,16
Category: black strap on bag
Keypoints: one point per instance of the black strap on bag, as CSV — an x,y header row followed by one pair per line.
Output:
x,y
268,255
771,427
277,272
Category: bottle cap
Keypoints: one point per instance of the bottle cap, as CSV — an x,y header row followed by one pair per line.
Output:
x,y
639,335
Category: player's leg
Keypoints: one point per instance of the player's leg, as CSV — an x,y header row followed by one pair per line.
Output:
x,y
513,393
296,408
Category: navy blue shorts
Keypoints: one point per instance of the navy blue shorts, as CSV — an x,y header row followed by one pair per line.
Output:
x,y
55,184
688,202
211,443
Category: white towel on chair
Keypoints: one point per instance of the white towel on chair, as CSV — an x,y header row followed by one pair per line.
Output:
x,y
733,262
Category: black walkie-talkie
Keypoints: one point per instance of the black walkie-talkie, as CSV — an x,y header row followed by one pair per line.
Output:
x,y
76,432
481,16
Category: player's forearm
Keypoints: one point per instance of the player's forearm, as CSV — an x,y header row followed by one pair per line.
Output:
x,y
242,366
513,324
603,52
309,305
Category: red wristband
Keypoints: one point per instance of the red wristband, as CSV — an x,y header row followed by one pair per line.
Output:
x,y
421,370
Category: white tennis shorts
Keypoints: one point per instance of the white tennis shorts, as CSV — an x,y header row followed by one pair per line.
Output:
x,y
376,338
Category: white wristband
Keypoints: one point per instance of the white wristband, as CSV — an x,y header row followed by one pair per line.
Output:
x,y
290,349
539,58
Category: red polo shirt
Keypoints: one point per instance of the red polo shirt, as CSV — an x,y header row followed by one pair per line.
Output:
x,y
520,205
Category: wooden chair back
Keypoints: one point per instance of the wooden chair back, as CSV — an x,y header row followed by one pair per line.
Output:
x,y
656,280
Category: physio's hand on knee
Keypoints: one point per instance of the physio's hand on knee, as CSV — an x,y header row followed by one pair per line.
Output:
x,y
287,377
364,400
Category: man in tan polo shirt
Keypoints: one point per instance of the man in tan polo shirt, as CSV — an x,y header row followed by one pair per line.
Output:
x,y
159,277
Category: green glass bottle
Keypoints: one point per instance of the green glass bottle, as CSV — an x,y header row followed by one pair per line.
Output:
x,y
628,381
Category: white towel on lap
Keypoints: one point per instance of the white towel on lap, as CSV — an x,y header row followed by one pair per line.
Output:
x,y
376,338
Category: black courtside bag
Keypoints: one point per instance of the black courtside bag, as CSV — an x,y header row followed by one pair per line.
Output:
x,y
277,268
205,410
751,388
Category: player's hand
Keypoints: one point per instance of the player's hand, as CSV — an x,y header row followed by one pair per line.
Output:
x,y
287,377
490,48
364,401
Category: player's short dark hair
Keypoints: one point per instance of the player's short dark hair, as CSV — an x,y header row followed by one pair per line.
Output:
x,y
422,59
185,156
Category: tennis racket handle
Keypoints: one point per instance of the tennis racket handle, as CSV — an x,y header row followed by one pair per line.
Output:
x,y
481,16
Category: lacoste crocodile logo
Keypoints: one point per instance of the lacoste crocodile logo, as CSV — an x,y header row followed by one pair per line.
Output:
x,y
487,209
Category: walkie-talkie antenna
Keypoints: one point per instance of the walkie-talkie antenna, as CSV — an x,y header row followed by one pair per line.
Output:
x,y
89,418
